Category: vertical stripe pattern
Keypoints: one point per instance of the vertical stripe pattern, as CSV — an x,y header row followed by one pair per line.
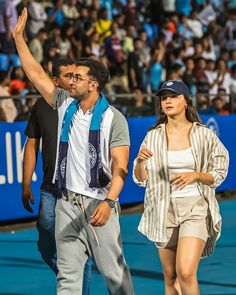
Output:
x,y
210,156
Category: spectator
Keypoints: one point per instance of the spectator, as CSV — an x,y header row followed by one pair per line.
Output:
x,y
232,60
139,107
8,18
25,112
203,105
233,81
233,89
176,72
188,76
208,48
183,28
223,80
130,14
65,45
113,46
70,11
55,13
8,111
230,29
195,25
121,31
224,54
168,6
36,45
85,22
178,55
195,36
156,69
166,31
200,75
188,49
212,77
52,44
136,67
128,42
220,105
103,25
92,46
17,83
145,50
37,18
198,49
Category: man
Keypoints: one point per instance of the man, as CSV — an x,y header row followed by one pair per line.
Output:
x,y
7,107
8,18
43,124
92,159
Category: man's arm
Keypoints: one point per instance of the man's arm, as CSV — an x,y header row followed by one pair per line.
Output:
x,y
32,68
29,163
120,159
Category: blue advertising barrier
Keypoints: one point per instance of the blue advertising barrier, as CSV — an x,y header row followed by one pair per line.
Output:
x,y
12,141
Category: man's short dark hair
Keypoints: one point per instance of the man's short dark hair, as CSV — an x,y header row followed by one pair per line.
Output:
x,y
97,70
60,62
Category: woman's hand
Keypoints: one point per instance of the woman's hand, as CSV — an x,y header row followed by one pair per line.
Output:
x,y
140,170
144,154
180,180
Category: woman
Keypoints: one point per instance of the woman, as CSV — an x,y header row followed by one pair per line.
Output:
x,y
180,162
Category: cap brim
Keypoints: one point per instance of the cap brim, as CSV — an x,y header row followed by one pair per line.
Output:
x,y
166,89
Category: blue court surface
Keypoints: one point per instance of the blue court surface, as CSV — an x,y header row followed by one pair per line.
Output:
x,y
22,272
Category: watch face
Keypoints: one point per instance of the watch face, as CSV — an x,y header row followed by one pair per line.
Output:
x,y
111,204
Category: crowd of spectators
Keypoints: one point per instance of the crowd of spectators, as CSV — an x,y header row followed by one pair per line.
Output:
x,y
142,42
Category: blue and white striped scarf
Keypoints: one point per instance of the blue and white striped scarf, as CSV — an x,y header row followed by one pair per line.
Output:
x,y
98,178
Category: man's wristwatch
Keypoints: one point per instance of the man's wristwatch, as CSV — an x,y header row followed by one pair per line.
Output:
x,y
110,202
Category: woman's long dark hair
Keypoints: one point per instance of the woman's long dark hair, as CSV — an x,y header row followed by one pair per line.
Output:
x,y
190,113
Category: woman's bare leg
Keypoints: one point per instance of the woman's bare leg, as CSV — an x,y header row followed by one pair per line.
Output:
x,y
189,251
177,286
168,261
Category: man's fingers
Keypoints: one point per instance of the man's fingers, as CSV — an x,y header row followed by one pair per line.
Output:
x,y
31,198
100,221
27,206
25,15
22,20
94,213
95,216
94,220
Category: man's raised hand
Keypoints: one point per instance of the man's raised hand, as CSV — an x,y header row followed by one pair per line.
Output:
x,y
20,25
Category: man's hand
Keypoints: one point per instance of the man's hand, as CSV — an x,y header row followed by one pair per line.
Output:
x,y
180,180
101,214
27,198
20,25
